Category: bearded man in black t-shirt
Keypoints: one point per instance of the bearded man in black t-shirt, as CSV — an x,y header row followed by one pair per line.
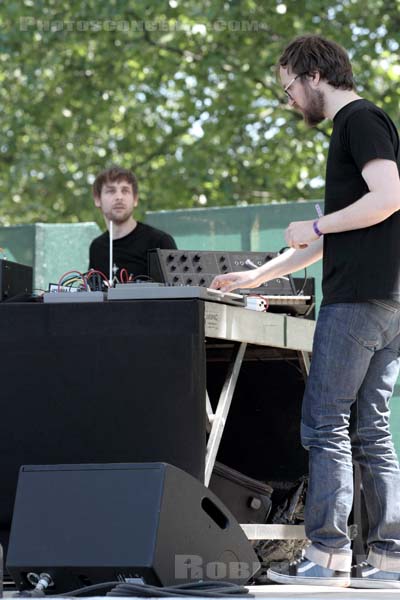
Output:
x,y
356,351
116,194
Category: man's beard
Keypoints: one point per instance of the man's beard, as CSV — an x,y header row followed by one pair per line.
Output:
x,y
118,217
314,113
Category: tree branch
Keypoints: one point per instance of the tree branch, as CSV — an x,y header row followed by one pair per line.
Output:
x,y
147,37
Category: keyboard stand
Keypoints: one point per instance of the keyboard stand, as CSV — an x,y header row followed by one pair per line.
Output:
x,y
243,326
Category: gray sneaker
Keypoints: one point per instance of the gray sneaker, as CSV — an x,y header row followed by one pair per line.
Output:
x,y
306,572
367,576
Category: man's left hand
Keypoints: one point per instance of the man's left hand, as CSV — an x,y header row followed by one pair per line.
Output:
x,y
300,234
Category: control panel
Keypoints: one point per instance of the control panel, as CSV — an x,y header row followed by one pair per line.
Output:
x,y
187,267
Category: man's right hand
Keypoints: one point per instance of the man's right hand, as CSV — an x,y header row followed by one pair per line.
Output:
x,y
233,281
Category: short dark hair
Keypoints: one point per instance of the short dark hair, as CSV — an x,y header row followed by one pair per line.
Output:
x,y
112,174
308,54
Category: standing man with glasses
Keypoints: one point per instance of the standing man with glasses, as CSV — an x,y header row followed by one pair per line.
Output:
x,y
356,352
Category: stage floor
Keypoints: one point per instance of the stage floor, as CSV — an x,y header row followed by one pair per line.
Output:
x,y
291,592
281,592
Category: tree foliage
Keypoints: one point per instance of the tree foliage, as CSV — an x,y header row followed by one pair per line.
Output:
x,y
183,92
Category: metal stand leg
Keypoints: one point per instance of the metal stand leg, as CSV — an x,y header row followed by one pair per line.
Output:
x,y
210,414
218,418
217,423
304,360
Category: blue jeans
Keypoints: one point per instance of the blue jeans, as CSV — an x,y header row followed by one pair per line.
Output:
x,y
354,367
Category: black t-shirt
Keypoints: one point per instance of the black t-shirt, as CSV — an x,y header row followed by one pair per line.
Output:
x,y
362,264
129,252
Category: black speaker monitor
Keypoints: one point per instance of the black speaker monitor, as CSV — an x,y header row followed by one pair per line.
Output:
x,y
87,524
15,279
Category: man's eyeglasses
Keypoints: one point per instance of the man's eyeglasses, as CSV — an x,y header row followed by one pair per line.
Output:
x,y
291,82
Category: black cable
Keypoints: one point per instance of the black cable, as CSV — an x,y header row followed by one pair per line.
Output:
x,y
282,250
198,589
141,278
304,282
308,311
83,590
29,594
305,278
95,281
203,589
